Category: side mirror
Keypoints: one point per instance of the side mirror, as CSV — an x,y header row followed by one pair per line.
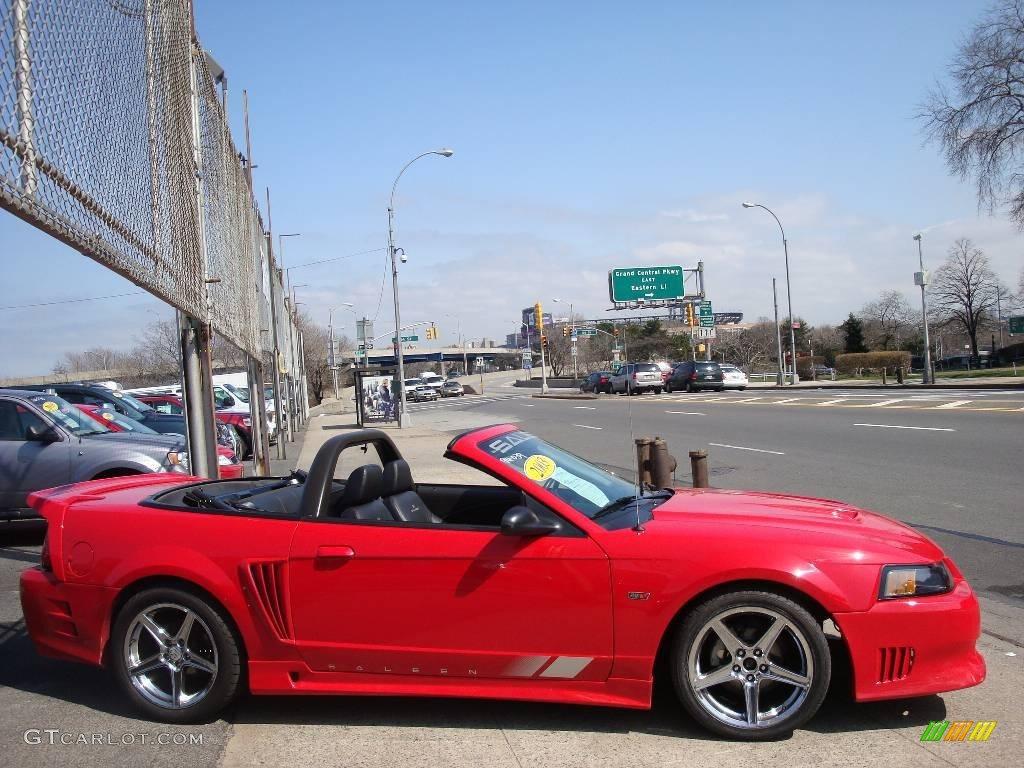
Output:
x,y
523,521
38,434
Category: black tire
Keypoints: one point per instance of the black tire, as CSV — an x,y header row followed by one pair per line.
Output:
x,y
742,388
657,390
690,388
800,641
244,445
668,388
223,686
719,389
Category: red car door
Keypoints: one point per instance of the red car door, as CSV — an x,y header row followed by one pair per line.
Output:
x,y
438,600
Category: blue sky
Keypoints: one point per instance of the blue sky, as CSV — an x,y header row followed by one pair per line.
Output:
x,y
587,136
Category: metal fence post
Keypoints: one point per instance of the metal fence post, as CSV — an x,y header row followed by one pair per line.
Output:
x,y
197,390
258,418
699,468
23,80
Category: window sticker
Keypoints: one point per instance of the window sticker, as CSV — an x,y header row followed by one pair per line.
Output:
x,y
108,416
50,407
539,468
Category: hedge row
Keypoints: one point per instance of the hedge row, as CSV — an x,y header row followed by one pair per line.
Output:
x,y
855,362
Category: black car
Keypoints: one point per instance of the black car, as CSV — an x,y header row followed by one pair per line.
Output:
x,y
96,394
597,382
694,375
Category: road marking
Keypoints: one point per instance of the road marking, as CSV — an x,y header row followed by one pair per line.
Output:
x,y
830,402
687,413
880,404
790,400
527,405
585,407
584,426
745,400
900,426
741,448
955,404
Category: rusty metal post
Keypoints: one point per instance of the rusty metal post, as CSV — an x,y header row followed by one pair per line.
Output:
x,y
699,468
663,464
643,461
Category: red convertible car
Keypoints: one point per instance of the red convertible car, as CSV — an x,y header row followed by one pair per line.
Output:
x,y
562,584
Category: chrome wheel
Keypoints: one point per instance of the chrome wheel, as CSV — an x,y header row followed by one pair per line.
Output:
x,y
750,668
170,656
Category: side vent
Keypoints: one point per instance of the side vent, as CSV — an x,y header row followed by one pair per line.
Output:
x,y
268,580
895,663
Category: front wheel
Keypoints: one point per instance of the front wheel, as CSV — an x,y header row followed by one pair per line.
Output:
x,y
175,656
750,665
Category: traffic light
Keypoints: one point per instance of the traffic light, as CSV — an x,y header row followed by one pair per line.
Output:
x,y
433,332
538,316
565,330
543,339
689,314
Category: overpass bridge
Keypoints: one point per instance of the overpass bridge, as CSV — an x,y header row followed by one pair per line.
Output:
x,y
463,356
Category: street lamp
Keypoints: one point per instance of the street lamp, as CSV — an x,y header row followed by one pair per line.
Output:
x,y
403,418
330,324
921,278
462,343
572,331
789,294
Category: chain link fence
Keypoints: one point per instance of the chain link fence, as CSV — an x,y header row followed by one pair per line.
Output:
x,y
114,140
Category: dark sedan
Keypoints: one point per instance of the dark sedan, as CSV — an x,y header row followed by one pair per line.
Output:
x,y
597,382
694,375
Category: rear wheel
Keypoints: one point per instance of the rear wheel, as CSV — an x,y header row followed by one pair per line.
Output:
x,y
668,387
750,665
690,387
175,656
657,390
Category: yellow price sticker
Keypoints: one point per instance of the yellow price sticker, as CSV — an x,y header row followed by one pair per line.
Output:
x,y
539,468
50,407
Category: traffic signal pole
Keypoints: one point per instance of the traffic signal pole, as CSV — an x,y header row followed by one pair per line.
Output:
x,y
538,314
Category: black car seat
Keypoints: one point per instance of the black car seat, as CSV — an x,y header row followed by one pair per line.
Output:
x,y
400,495
361,499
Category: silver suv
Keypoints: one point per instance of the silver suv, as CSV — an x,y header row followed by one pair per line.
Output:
x,y
637,377
45,442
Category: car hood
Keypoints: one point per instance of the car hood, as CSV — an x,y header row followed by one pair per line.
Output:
x,y
793,516
164,442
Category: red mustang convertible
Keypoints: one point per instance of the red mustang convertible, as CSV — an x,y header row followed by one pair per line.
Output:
x,y
561,584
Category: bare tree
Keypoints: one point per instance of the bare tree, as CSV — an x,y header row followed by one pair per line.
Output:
x,y
316,344
963,290
887,320
754,346
980,127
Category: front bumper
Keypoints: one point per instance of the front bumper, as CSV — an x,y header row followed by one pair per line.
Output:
x,y
65,621
915,647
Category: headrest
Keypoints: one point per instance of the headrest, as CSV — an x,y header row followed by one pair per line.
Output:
x,y
397,477
363,485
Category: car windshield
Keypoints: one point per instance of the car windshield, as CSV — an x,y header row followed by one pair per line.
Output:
x,y
67,415
240,393
579,483
132,402
124,422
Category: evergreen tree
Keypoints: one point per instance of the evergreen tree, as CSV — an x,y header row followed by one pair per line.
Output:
x,y
853,334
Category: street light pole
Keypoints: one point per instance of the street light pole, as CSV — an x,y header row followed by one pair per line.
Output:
x,y
403,417
778,338
789,294
921,278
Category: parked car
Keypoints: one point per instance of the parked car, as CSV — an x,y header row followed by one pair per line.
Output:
x,y
420,393
825,372
228,467
452,388
188,592
597,382
694,375
665,368
241,423
46,441
637,378
122,402
733,377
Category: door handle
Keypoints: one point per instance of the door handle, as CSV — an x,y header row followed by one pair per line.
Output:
x,y
335,551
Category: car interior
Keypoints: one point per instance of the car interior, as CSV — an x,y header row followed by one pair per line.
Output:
x,y
375,491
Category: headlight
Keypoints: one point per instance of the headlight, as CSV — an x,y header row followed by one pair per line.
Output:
x,y
178,461
246,422
914,581
225,461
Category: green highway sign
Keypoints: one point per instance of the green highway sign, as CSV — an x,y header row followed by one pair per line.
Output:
x,y
586,331
646,283
1017,324
360,352
707,317
413,337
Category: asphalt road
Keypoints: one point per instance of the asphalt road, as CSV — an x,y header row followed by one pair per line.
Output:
x,y
947,462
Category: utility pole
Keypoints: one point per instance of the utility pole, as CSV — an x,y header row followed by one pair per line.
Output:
x,y
921,279
778,338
